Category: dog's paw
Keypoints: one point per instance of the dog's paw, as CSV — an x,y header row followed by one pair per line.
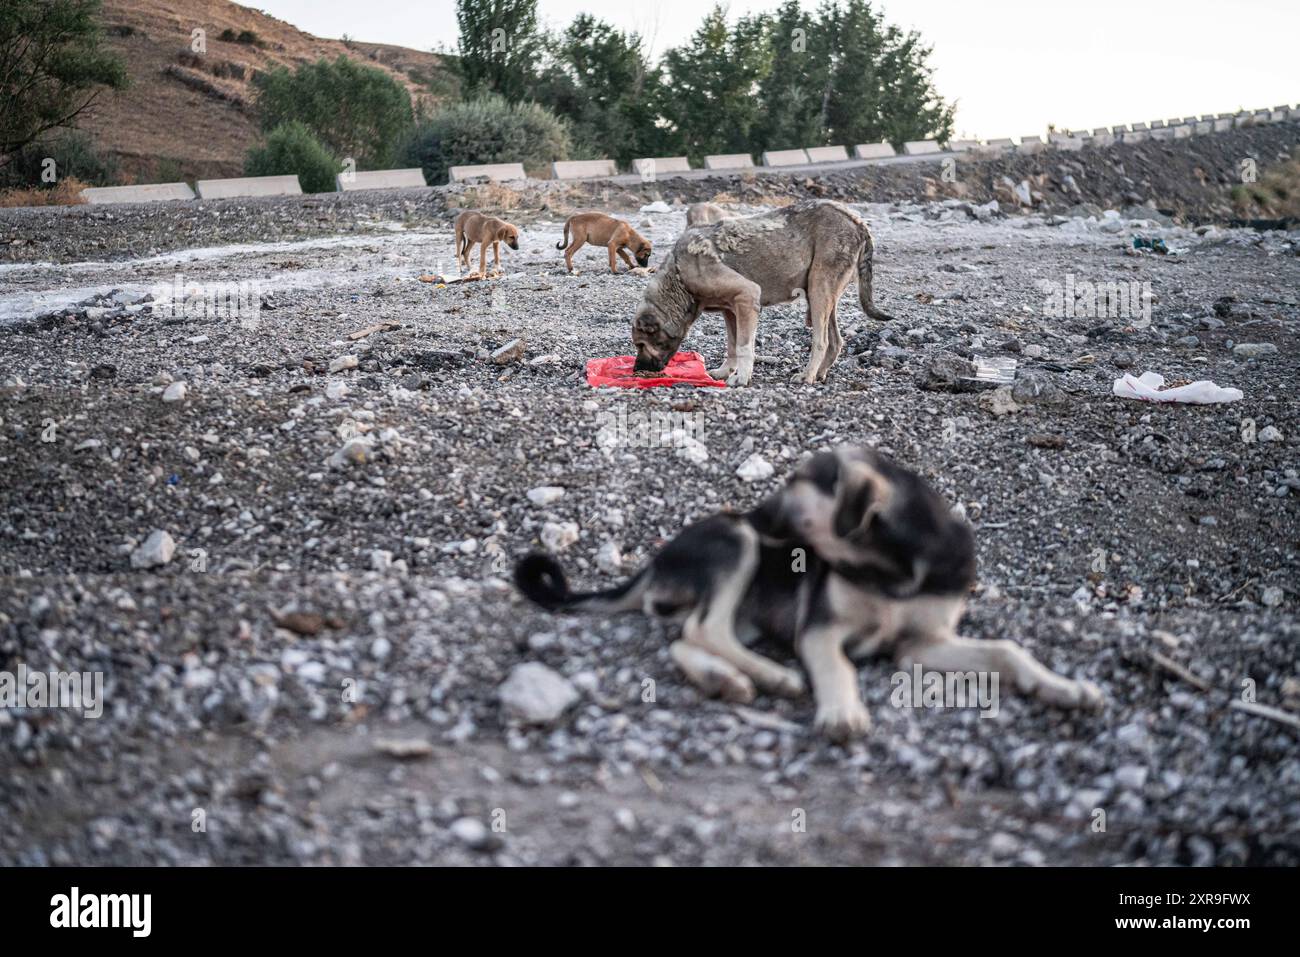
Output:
x,y
785,682
843,722
738,378
736,689
721,372
1091,697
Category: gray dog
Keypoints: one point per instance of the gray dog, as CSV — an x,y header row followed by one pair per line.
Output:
x,y
737,266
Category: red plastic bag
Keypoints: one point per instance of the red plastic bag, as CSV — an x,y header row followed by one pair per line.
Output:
x,y
685,368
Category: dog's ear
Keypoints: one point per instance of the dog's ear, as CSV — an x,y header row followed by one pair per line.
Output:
x,y
863,493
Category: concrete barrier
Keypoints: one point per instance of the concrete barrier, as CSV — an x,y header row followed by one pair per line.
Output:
x,y
785,157
1100,139
1241,119
1278,115
380,179
1140,127
1162,133
1223,123
729,161
1119,130
1182,131
583,169
494,172
827,154
1157,124
654,166
248,186
998,145
1203,126
867,151
1031,144
1137,136
144,193
921,147
1101,131
962,146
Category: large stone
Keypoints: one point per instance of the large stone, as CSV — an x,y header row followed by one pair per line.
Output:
x,y
534,694
157,550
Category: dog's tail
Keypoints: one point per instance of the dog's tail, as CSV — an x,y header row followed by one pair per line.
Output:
x,y
864,281
565,241
542,580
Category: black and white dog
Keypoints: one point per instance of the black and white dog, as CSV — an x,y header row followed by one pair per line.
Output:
x,y
854,556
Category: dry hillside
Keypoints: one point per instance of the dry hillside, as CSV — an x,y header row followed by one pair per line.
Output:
x,y
189,114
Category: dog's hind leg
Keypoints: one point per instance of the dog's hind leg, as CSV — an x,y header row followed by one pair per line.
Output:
x,y
1008,660
728,366
714,676
712,626
573,248
821,302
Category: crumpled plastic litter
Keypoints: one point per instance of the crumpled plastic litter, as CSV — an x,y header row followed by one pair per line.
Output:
x,y
1147,387
658,206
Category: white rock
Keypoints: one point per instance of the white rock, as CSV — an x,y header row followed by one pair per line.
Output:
x,y
380,560
336,390
157,549
343,363
755,468
355,451
535,694
1269,433
174,392
545,495
557,536
1271,596
610,558
471,832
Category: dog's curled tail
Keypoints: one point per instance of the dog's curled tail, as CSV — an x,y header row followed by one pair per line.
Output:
x,y
541,579
864,280
564,242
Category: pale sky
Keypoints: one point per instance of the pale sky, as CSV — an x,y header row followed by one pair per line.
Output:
x,y
1013,66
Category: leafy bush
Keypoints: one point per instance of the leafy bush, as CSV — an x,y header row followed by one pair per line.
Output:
x,y
74,154
357,111
291,148
487,129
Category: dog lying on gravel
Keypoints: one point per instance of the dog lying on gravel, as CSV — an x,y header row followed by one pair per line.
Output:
x,y
474,228
601,230
854,556
737,266
701,214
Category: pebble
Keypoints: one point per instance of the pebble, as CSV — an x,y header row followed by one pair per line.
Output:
x,y
535,694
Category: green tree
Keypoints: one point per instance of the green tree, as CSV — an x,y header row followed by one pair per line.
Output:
x,y
793,95
486,129
52,68
500,46
601,81
710,87
355,110
290,148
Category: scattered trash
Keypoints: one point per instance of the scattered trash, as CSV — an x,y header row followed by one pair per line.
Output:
x,y
1148,388
1156,245
658,206
378,327
404,749
685,368
1000,369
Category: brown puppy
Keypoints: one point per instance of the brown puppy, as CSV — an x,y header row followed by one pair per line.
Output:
x,y
474,228
601,230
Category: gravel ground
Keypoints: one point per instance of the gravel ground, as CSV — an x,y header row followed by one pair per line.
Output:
x,y
313,676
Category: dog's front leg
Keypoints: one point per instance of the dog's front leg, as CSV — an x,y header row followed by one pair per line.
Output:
x,y
746,311
728,366
1008,660
622,254
613,263
841,715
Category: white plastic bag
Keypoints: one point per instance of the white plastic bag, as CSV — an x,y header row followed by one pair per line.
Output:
x,y
1147,388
